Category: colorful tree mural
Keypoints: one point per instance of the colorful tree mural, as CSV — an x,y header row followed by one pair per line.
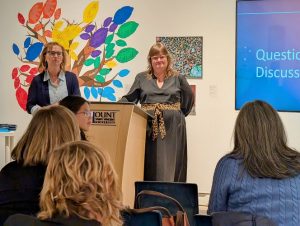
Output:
x,y
93,51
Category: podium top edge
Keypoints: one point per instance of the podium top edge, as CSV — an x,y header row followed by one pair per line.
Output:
x,y
112,103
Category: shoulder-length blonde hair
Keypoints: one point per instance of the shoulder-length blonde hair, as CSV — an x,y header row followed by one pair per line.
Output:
x,y
49,128
159,49
260,140
43,65
80,180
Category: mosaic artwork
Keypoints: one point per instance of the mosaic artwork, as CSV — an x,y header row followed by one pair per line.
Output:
x,y
94,48
186,54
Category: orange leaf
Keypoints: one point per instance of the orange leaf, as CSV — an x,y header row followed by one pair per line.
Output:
x,y
35,12
57,14
38,27
48,33
49,8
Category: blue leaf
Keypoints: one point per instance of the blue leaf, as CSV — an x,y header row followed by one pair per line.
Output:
x,y
27,42
122,15
87,92
117,83
111,97
16,49
100,91
107,91
124,73
94,92
34,51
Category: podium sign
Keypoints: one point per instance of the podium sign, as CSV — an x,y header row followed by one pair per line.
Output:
x,y
120,129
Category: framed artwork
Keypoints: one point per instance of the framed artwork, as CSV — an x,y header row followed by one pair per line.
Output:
x,y
186,53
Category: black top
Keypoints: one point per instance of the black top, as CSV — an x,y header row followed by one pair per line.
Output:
x,y
25,220
20,187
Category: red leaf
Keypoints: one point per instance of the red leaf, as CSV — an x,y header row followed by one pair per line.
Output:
x,y
35,12
48,33
22,96
14,73
38,27
49,8
24,68
29,79
21,18
17,82
57,14
33,71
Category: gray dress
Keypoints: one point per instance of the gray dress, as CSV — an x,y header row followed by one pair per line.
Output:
x,y
165,159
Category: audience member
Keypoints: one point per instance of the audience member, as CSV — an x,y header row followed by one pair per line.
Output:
x,y
81,108
261,175
21,180
80,188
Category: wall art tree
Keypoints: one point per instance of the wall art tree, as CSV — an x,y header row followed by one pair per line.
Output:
x,y
94,49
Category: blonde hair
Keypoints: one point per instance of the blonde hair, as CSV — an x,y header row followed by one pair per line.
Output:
x,y
80,180
156,49
43,64
49,128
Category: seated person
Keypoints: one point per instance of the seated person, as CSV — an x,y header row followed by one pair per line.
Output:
x,y
81,108
80,188
261,176
21,180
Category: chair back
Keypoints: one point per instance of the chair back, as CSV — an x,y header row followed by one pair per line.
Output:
x,y
202,220
151,218
185,193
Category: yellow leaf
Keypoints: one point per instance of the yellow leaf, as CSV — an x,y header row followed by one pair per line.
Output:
x,y
90,12
58,25
111,64
73,55
71,32
74,45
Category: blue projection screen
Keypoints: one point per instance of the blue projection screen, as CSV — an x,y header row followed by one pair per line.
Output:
x,y
268,53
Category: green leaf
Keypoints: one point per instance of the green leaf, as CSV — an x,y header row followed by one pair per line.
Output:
x,y
121,43
110,46
97,62
127,29
104,71
109,53
109,39
89,62
126,54
99,78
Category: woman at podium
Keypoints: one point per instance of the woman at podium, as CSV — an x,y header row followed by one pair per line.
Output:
x,y
167,96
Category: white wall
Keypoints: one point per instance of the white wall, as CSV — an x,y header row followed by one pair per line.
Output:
x,y
210,131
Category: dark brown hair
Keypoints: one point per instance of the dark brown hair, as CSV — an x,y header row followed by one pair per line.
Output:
x,y
260,140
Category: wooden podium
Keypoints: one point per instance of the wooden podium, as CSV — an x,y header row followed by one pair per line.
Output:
x,y
120,129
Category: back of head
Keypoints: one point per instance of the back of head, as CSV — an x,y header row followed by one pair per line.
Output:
x,y
49,128
260,140
80,180
73,103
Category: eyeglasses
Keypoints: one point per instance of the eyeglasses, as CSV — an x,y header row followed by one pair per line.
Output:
x,y
53,53
161,57
86,113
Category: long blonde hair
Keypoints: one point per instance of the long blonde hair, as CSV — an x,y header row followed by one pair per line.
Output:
x,y
49,128
80,180
156,49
